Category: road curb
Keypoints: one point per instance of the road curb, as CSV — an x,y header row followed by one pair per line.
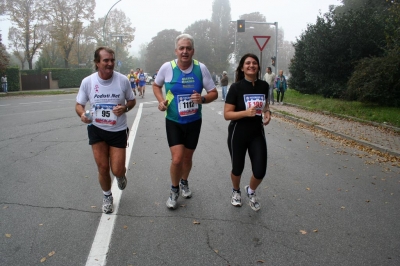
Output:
x,y
362,142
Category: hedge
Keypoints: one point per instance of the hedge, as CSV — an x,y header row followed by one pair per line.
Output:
x,y
12,78
68,78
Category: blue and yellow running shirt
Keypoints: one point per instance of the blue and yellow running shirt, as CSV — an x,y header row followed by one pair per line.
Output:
x,y
179,86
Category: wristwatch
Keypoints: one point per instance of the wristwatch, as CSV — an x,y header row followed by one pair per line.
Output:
x,y
127,109
203,99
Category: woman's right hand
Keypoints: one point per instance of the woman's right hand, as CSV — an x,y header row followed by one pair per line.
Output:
x,y
251,111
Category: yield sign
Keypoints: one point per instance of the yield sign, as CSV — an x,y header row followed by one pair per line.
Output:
x,y
261,41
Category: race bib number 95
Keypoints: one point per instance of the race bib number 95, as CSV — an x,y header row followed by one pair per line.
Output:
x,y
104,115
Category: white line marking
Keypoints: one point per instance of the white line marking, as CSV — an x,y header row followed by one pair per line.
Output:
x,y
102,239
36,102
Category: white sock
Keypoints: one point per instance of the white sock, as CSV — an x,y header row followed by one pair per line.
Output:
x,y
250,191
107,193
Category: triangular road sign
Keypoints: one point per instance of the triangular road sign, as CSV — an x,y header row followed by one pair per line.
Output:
x,y
261,41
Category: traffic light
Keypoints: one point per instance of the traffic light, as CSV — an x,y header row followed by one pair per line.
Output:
x,y
241,27
273,60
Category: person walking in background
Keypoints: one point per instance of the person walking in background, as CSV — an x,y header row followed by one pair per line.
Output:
x,y
246,105
269,77
142,83
4,83
224,84
184,79
111,97
132,80
281,86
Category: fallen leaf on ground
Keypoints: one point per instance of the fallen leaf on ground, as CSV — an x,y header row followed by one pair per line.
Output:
x,y
260,261
8,235
216,250
52,253
315,230
93,207
196,222
308,188
303,232
125,226
343,207
5,207
43,259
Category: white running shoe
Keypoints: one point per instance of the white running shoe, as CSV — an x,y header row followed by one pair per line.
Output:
x,y
236,199
108,204
253,201
185,191
121,182
172,201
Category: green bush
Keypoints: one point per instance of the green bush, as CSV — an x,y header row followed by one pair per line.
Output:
x,y
376,79
12,78
68,78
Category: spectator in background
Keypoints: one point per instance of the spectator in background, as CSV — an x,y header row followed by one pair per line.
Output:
x,y
224,84
4,83
269,77
281,86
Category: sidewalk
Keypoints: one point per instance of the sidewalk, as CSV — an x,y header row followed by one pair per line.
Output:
x,y
381,138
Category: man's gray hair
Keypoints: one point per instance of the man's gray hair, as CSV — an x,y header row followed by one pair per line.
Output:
x,y
184,36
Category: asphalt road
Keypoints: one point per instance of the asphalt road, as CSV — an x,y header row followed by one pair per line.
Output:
x,y
321,203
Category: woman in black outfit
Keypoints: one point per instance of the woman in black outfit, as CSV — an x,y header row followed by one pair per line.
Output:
x,y
247,107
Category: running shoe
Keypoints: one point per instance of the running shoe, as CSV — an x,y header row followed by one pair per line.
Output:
x,y
122,181
253,201
172,200
108,204
236,199
185,191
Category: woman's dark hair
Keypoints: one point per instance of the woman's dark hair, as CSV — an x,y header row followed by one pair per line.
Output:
x,y
97,54
239,71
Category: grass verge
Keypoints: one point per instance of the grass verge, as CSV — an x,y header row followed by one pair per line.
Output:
x,y
369,112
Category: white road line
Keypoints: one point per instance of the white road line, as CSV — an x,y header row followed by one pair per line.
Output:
x,y
37,102
102,239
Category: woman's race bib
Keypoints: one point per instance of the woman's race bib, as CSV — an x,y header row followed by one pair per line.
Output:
x,y
257,100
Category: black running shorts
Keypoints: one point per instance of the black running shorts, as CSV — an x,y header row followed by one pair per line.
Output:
x,y
117,139
186,134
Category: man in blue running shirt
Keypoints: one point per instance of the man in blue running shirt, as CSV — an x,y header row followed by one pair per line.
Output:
x,y
184,79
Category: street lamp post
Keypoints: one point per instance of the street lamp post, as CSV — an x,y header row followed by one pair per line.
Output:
x,y
105,19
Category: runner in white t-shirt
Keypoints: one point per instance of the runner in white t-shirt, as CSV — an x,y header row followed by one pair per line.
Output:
x,y
110,96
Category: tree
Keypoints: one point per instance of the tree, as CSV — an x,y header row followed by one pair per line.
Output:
x,y
203,44
4,57
221,34
28,33
161,49
66,20
326,53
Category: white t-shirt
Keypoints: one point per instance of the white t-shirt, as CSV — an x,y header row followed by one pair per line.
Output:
x,y
270,78
103,95
165,75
